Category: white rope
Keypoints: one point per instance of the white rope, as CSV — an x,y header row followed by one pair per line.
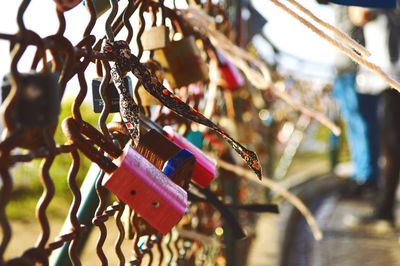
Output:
x,y
347,51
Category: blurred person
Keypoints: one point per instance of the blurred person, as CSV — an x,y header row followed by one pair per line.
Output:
x,y
358,111
382,37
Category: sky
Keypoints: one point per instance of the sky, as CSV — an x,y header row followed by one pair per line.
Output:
x,y
290,36
295,39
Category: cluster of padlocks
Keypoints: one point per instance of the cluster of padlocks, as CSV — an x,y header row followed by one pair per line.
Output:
x,y
150,158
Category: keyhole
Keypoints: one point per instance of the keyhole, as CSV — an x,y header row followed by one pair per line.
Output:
x,y
155,204
133,192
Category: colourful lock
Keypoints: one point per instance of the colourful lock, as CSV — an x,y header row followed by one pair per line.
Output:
x,y
231,78
205,168
165,155
180,168
145,189
132,178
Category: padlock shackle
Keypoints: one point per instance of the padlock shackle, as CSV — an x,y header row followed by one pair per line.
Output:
x,y
150,124
176,18
98,138
71,130
117,127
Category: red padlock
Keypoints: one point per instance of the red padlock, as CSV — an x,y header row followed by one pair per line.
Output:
x,y
133,179
204,168
165,155
231,78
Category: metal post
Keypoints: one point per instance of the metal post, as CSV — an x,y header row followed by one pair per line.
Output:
x,y
86,212
230,187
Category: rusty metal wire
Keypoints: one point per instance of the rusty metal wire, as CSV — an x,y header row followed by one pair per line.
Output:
x,y
47,195
73,212
73,61
121,236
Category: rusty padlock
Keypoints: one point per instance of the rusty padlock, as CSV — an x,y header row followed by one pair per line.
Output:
x,y
205,168
135,181
182,62
111,92
231,78
175,162
65,5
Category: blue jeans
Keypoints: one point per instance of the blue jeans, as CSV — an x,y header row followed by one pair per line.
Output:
x,y
359,112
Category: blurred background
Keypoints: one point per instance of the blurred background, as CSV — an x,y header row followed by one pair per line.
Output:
x,y
300,154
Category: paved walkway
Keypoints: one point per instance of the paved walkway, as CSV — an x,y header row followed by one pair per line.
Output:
x,y
342,245
350,246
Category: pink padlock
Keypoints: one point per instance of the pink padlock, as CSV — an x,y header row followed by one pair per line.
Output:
x,y
147,190
132,178
204,168
230,75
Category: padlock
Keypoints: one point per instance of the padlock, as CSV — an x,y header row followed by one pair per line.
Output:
x,y
32,139
111,92
147,190
195,137
180,168
155,38
101,6
182,62
205,168
146,99
38,103
5,88
175,162
65,5
231,78
135,181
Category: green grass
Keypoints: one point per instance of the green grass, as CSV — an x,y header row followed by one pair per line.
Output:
x,y
27,185
307,160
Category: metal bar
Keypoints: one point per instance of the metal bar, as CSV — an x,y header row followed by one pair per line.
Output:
x,y
85,215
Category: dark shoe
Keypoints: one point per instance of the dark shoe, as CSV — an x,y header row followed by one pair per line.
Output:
x,y
360,191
